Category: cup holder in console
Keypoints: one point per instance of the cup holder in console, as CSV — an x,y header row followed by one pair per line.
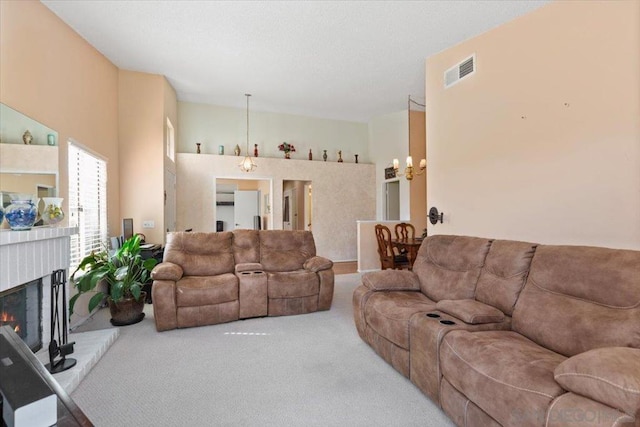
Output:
x,y
447,322
433,315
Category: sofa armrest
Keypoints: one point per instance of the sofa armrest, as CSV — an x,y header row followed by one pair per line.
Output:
x,y
470,311
248,266
167,271
391,280
610,375
317,263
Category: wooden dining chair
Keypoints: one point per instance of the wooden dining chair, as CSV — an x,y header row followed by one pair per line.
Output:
x,y
405,231
388,257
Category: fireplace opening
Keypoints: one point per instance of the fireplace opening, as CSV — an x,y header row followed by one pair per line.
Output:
x,y
21,309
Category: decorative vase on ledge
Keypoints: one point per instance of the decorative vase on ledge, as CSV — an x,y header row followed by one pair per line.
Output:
x,y
52,213
22,213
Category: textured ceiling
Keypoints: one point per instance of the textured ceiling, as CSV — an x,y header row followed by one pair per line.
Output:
x,y
348,60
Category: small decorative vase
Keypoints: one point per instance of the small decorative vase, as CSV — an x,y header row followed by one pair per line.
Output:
x,y
197,147
237,150
52,213
255,150
339,156
1,214
22,213
51,139
324,155
27,138
310,154
287,154
221,150
356,158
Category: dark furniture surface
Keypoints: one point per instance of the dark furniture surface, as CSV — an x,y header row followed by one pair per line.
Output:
x,y
409,247
69,414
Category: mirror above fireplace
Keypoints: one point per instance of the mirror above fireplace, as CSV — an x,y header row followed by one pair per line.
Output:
x,y
26,168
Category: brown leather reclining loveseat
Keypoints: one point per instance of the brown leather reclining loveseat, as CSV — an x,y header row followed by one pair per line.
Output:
x,y
512,333
209,278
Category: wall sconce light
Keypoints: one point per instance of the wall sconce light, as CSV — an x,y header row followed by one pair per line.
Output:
x,y
410,171
434,216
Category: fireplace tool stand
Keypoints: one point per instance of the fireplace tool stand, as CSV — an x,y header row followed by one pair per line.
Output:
x,y
58,286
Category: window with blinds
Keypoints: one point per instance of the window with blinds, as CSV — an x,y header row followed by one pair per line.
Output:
x,y
87,203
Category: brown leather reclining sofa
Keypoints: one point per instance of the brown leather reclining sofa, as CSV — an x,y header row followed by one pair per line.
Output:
x,y
512,333
209,278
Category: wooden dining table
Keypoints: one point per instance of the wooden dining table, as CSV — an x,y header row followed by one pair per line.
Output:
x,y
411,247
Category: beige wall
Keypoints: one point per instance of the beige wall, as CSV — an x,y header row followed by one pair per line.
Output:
x,y
144,102
213,125
418,185
51,74
342,194
543,142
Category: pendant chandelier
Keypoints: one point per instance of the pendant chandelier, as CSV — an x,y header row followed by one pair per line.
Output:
x,y
410,170
247,165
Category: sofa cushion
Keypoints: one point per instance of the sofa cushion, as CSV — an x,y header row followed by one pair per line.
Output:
x,y
502,372
389,313
246,246
285,250
609,375
193,291
391,280
504,273
449,266
471,311
579,291
292,284
200,254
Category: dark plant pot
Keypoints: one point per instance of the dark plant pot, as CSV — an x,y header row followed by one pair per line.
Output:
x,y
127,311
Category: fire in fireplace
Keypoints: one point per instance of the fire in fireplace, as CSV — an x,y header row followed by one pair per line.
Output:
x,y
21,309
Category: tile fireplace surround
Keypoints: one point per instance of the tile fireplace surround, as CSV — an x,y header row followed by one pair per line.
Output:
x,y
34,254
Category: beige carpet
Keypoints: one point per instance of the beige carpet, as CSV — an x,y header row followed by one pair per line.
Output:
x,y
311,369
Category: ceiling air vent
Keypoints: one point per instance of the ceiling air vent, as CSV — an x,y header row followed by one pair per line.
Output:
x,y
459,71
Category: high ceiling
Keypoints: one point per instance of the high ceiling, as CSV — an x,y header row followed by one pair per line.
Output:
x,y
347,60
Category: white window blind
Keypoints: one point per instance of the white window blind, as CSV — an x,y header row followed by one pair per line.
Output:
x,y
87,203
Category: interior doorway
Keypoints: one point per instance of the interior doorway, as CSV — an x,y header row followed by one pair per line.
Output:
x,y
392,200
289,210
232,207
297,205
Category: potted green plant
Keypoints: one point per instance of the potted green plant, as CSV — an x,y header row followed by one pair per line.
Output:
x,y
125,273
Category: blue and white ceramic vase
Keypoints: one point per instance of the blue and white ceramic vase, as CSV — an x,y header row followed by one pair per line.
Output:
x,y
22,213
1,214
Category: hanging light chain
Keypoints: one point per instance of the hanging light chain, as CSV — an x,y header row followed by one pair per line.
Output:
x,y
247,95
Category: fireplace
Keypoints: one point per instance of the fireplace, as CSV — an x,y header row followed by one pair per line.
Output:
x,y
21,309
